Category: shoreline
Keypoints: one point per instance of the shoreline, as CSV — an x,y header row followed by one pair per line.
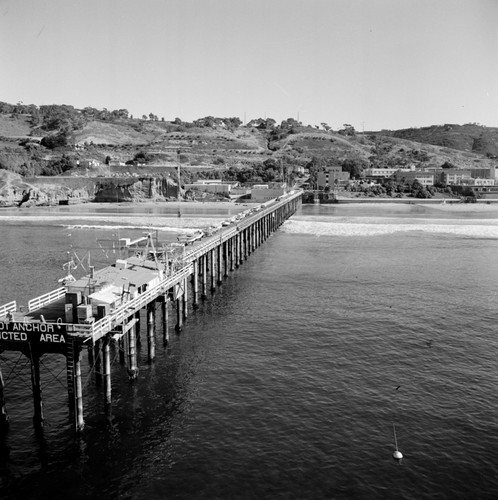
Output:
x,y
145,204
435,204
416,201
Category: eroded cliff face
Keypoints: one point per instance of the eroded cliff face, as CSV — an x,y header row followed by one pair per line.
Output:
x,y
42,191
18,191
139,189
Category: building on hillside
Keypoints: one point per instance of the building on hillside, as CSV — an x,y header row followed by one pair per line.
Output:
x,y
483,173
426,178
210,186
479,182
88,163
298,170
265,192
438,174
456,176
331,177
385,173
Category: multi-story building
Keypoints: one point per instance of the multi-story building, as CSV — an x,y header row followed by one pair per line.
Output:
x,y
456,175
484,173
425,177
329,176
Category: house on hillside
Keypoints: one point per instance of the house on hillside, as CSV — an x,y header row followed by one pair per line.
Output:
x,y
88,163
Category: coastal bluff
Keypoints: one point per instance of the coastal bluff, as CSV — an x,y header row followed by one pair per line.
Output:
x,y
16,190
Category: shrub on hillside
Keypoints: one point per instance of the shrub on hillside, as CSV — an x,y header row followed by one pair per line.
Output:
x,y
55,141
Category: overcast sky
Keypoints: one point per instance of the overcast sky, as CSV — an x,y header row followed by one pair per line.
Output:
x,y
372,63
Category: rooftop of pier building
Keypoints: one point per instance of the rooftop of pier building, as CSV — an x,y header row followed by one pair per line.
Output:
x,y
130,276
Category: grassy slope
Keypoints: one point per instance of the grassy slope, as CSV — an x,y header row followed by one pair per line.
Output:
x,y
464,146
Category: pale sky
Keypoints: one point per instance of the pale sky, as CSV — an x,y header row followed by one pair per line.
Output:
x,y
371,63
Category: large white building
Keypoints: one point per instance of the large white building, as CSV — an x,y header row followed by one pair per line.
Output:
x,y
210,186
265,192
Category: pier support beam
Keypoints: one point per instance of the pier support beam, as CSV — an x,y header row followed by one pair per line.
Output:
x,y
195,285
237,250
106,352
219,269
179,315
212,270
78,390
36,386
138,340
244,246
97,350
225,258
132,367
4,418
185,300
165,314
231,243
151,341
204,277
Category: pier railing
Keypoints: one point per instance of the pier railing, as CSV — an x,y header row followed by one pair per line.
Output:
x,y
9,307
46,299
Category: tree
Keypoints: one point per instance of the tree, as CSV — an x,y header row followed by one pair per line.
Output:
x,y
55,141
354,167
448,164
325,126
142,157
347,130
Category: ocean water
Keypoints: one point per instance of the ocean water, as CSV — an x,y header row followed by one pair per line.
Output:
x,y
287,381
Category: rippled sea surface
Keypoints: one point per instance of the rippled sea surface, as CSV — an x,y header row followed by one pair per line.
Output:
x,y
287,381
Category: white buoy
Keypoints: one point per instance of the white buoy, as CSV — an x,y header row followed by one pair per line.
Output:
x,y
397,455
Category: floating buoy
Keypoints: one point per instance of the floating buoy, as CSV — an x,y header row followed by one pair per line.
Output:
x,y
397,455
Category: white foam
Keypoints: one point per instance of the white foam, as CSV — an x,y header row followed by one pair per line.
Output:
x,y
485,229
89,221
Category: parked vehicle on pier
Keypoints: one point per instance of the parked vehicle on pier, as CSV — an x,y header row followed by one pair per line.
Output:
x,y
190,238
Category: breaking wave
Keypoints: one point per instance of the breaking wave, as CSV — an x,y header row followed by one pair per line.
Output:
x,y
351,227
115,222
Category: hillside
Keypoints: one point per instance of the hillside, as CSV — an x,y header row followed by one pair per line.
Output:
x,y
470,137
61,140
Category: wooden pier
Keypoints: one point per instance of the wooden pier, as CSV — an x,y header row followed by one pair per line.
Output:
x,y
104,307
